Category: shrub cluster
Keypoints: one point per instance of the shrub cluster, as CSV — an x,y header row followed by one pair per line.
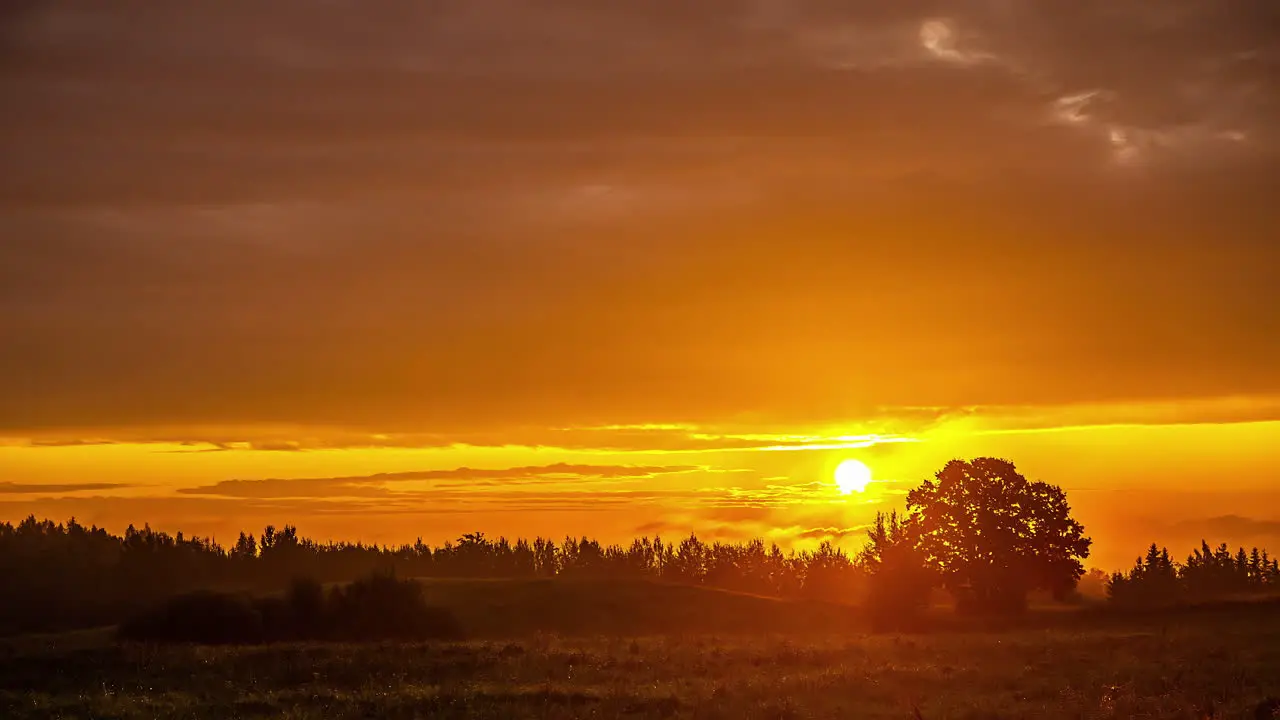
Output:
x,y
377,607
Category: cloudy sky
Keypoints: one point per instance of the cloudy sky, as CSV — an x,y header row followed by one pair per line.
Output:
x,y
420,268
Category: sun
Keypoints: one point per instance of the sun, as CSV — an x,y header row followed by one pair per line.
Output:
x,y
852,476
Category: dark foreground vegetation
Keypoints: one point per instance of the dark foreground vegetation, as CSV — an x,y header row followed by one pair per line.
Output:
x,y
1193,664
379,607
382,608
978,532
67,575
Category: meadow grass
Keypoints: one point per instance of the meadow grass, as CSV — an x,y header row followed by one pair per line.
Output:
x,y
1223,665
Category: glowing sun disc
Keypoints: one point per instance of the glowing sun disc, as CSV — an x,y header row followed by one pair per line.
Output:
x,y
852,476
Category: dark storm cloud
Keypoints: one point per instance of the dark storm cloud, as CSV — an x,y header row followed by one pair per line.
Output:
x,y
460,215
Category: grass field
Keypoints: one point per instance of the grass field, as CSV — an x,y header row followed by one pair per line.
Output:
x,y
1220,663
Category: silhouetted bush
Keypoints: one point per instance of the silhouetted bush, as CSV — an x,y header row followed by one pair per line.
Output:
x,y
203,617
380,607
278,622
307,611
901,585
990,601
898,596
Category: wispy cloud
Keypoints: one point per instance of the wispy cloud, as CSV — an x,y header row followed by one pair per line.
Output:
x,y
11,488
830,533
438,484
895,425
656,438
1084,416
800,526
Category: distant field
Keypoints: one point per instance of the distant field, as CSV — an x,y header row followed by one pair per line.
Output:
x,y
707,660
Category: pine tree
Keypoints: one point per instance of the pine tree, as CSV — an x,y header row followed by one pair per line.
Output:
x,y
1240,578
246,547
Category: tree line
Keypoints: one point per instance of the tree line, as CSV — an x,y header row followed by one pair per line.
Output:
x,y
71,575
1209,573
978,531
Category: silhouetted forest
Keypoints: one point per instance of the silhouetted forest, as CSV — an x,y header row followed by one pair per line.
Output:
x,y
1208,574
69,575
63,575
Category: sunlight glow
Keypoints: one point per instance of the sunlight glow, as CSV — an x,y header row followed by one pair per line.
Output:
x,y
852,476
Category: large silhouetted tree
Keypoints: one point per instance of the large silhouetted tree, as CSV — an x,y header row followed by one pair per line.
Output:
x,y
993,536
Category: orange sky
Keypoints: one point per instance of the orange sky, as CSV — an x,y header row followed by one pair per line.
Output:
x,y
1134,474
647,267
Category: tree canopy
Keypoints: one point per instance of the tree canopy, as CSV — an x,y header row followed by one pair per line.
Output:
x,y
992,536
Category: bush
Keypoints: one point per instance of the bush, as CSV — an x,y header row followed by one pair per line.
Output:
x,y
899,592
278,622
305,599
990,602
204,617
379,607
